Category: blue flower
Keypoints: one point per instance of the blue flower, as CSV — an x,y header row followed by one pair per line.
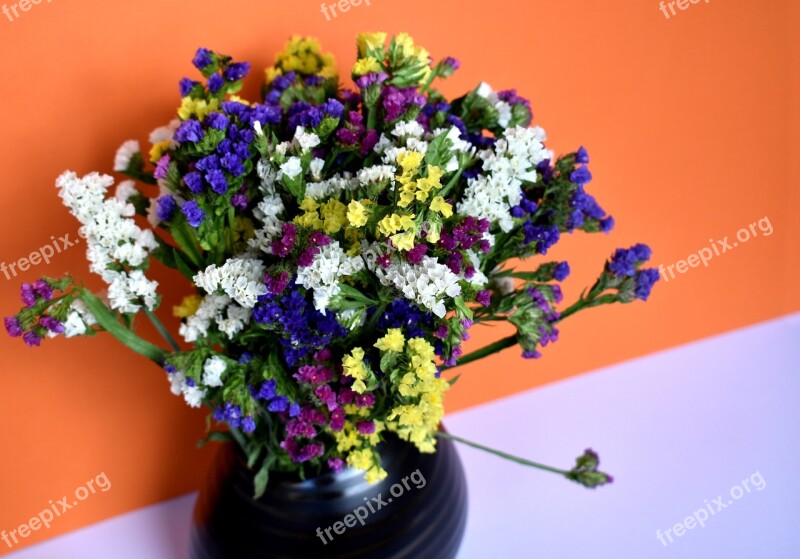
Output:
x,y
645,279
186,85
166,206
217,121
561,271
215,83
203,58
194,214
217,180
189,131
237,71
582,156
624,261
580,176
194,181
545,236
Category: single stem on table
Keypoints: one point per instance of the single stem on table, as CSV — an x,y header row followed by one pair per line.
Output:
x,y
501,454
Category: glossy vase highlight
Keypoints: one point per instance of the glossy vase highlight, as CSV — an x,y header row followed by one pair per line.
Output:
x,y
418,512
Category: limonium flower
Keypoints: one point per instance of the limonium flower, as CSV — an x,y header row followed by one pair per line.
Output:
x,y
338,246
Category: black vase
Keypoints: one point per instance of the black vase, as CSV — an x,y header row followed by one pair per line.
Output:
x,y
418,512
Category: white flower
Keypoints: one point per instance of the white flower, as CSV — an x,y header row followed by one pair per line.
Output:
x,y
125,191
194,396
74,325
376,173
426,284
503,108
292,167
164,133
323,274
411,128
234,320
213,368
240,278
306,140
282,148
315,168
197,325
331,187
126,151
127,292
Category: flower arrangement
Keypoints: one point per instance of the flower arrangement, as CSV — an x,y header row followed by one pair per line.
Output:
x,y
339,244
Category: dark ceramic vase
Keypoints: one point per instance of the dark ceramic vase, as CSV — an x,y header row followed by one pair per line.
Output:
x,y
418,512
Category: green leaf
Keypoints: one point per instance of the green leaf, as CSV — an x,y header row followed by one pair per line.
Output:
x,y
185,238
262,477
216,437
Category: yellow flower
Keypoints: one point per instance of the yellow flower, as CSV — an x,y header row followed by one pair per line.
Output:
x,y
421,348
370,41
353,366
403,241
365,66
188,306
393,223
196,107
438,204
328,70
334,214
237,99
392,341
158,150
405,44
271,73
410,161
356,214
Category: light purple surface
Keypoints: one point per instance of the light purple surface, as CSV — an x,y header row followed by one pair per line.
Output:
x,y
675,428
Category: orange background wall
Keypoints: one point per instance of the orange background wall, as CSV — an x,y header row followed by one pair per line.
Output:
x,y
691,124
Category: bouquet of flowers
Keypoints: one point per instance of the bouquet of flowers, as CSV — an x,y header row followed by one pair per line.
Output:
x,y
337,245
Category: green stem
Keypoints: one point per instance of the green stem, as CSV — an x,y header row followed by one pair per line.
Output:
x,y
499,345
161,329
107,319
432,76
501,454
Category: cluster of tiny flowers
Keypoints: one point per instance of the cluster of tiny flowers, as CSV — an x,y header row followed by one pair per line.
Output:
x,y
117,247
337,246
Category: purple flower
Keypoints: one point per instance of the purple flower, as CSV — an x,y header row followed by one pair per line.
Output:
x,y
277,284
366,427
278,404
186,85
237,71
239,201
364,400
189,131
215,83
194,181
52,324
248,424
371,79
202,58
484,297
644,282
165,207
545,236
232,164
162,167
218,121
336,464
624,261
582,156
561,271
217,180
580,176
28,295
607,224
194,214
416,254
32,339
12,326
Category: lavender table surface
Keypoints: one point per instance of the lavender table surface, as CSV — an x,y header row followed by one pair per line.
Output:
x,y
679,429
